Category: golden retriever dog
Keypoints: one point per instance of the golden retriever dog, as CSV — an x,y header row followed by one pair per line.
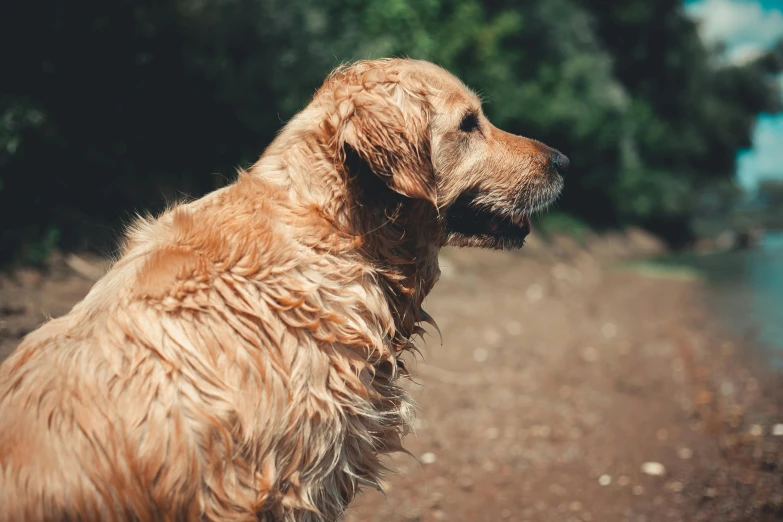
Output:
x,y
241,360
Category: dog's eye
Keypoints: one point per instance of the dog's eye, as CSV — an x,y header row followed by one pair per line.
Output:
x,y
469,122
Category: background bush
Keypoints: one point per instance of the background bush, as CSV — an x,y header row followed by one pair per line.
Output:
x,y
111,107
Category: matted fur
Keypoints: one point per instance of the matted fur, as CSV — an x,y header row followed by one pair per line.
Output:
x,y
240,361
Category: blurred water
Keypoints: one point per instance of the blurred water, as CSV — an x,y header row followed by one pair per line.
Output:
x,y
746,290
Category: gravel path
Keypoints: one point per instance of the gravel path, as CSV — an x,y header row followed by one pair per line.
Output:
x,y
563,391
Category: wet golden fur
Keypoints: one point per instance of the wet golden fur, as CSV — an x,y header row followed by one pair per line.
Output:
x,y
241,359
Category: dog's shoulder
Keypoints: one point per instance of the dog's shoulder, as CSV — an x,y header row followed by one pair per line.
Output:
x,y
241,231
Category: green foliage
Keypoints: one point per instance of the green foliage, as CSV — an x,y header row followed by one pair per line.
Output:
x,y
119,106
17,118
562,223
37,252
771,193
665,271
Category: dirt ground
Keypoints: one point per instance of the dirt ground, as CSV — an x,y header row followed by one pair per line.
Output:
x,y
564,390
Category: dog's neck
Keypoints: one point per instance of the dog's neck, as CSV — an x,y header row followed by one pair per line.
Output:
x,y
398,237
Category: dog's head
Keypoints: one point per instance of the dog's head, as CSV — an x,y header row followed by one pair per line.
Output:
x,y
422,132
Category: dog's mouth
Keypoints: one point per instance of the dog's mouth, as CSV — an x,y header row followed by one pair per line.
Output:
x,y
469,224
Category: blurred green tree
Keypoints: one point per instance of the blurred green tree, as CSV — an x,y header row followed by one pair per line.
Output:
x,y
118,106
771,193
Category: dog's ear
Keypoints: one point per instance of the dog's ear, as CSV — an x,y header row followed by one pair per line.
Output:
x,y
388,128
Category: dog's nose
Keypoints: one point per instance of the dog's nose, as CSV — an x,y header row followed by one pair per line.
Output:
x,y
561,162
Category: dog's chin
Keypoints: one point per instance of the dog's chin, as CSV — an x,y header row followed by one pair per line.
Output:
x,y
471,222
468,226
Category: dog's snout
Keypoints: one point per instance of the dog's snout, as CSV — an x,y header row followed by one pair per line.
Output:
x,y
561,162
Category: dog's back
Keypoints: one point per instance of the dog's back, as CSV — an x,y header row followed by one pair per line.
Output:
x,y
82,438
97,417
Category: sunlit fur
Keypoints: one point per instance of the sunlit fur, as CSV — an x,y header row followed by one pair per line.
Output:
x,y
241,359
